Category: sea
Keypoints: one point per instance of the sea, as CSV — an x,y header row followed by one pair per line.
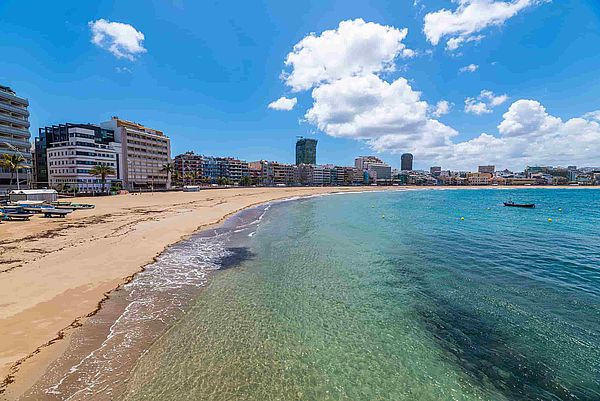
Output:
x,y
395,295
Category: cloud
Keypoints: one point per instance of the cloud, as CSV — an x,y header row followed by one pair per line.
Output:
x,y
593,115
353,100
123,70
529,135
469,68
528,118
283,103
484,103
354,48
470,17
385,115
391,117
122,40
454,43
441,108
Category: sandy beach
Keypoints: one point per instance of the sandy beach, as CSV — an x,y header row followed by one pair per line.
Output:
x,y
55,272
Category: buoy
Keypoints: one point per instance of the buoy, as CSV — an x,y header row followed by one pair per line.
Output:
x,y
559,209
383,216
462,218
550,220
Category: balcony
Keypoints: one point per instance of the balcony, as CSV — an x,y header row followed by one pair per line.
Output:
x,y
6,151
14,109
19,143
13,120
11,97
5,130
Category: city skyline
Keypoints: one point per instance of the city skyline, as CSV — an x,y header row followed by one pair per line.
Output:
x,y
478,95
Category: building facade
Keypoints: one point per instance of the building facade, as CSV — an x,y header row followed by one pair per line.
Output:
x,y
77,135
435,171
14,135
362,162
306,151
69,161
232,169
196,169
188,168
268,173
406,162
379,172
145,153
479,178
487,169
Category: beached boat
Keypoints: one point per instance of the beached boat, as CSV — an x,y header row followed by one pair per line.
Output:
x,y
525,205
14,213
82,206
53,212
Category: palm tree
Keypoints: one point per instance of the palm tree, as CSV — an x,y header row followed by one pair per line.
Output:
x,y
189,177
168,168
245,181
102,170
175,178
197,177
14,163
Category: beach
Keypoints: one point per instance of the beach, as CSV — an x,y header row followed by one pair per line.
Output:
x,y
403,295
55,272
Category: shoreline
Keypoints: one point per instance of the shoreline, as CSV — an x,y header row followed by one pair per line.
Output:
x,y
23,373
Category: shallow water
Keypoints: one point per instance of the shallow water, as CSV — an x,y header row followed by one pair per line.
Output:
x,y
391,296
102,353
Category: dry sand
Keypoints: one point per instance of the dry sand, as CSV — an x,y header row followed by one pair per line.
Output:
x,y
55,272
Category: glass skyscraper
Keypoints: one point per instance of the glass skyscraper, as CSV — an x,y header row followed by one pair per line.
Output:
x,y
306,151
406,162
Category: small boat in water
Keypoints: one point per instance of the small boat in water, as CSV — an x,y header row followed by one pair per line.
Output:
x,y
525,205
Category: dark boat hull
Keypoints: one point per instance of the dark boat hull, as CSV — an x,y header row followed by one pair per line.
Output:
x,y
524,205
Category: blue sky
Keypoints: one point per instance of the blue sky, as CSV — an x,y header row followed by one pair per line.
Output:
x,y
211,68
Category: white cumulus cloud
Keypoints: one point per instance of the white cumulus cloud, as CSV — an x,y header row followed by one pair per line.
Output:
x,y
470,17
484,103
593,115
283,103
355,47
469,68
122,40
354,101
528,118
391,118
529,135
386,115
441,108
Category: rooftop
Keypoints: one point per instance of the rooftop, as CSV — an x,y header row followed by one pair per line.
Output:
x,y
134,125
7,89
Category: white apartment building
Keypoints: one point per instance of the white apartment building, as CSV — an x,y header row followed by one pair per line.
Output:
x,y
70,161
14,135
362,162
145,152
479,178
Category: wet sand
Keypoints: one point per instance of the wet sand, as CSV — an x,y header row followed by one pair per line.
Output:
x,y
55,273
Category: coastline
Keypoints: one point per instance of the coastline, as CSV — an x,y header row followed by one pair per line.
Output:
x,y
58,273
118,225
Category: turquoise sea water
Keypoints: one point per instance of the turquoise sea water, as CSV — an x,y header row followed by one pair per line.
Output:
x,y
391,296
